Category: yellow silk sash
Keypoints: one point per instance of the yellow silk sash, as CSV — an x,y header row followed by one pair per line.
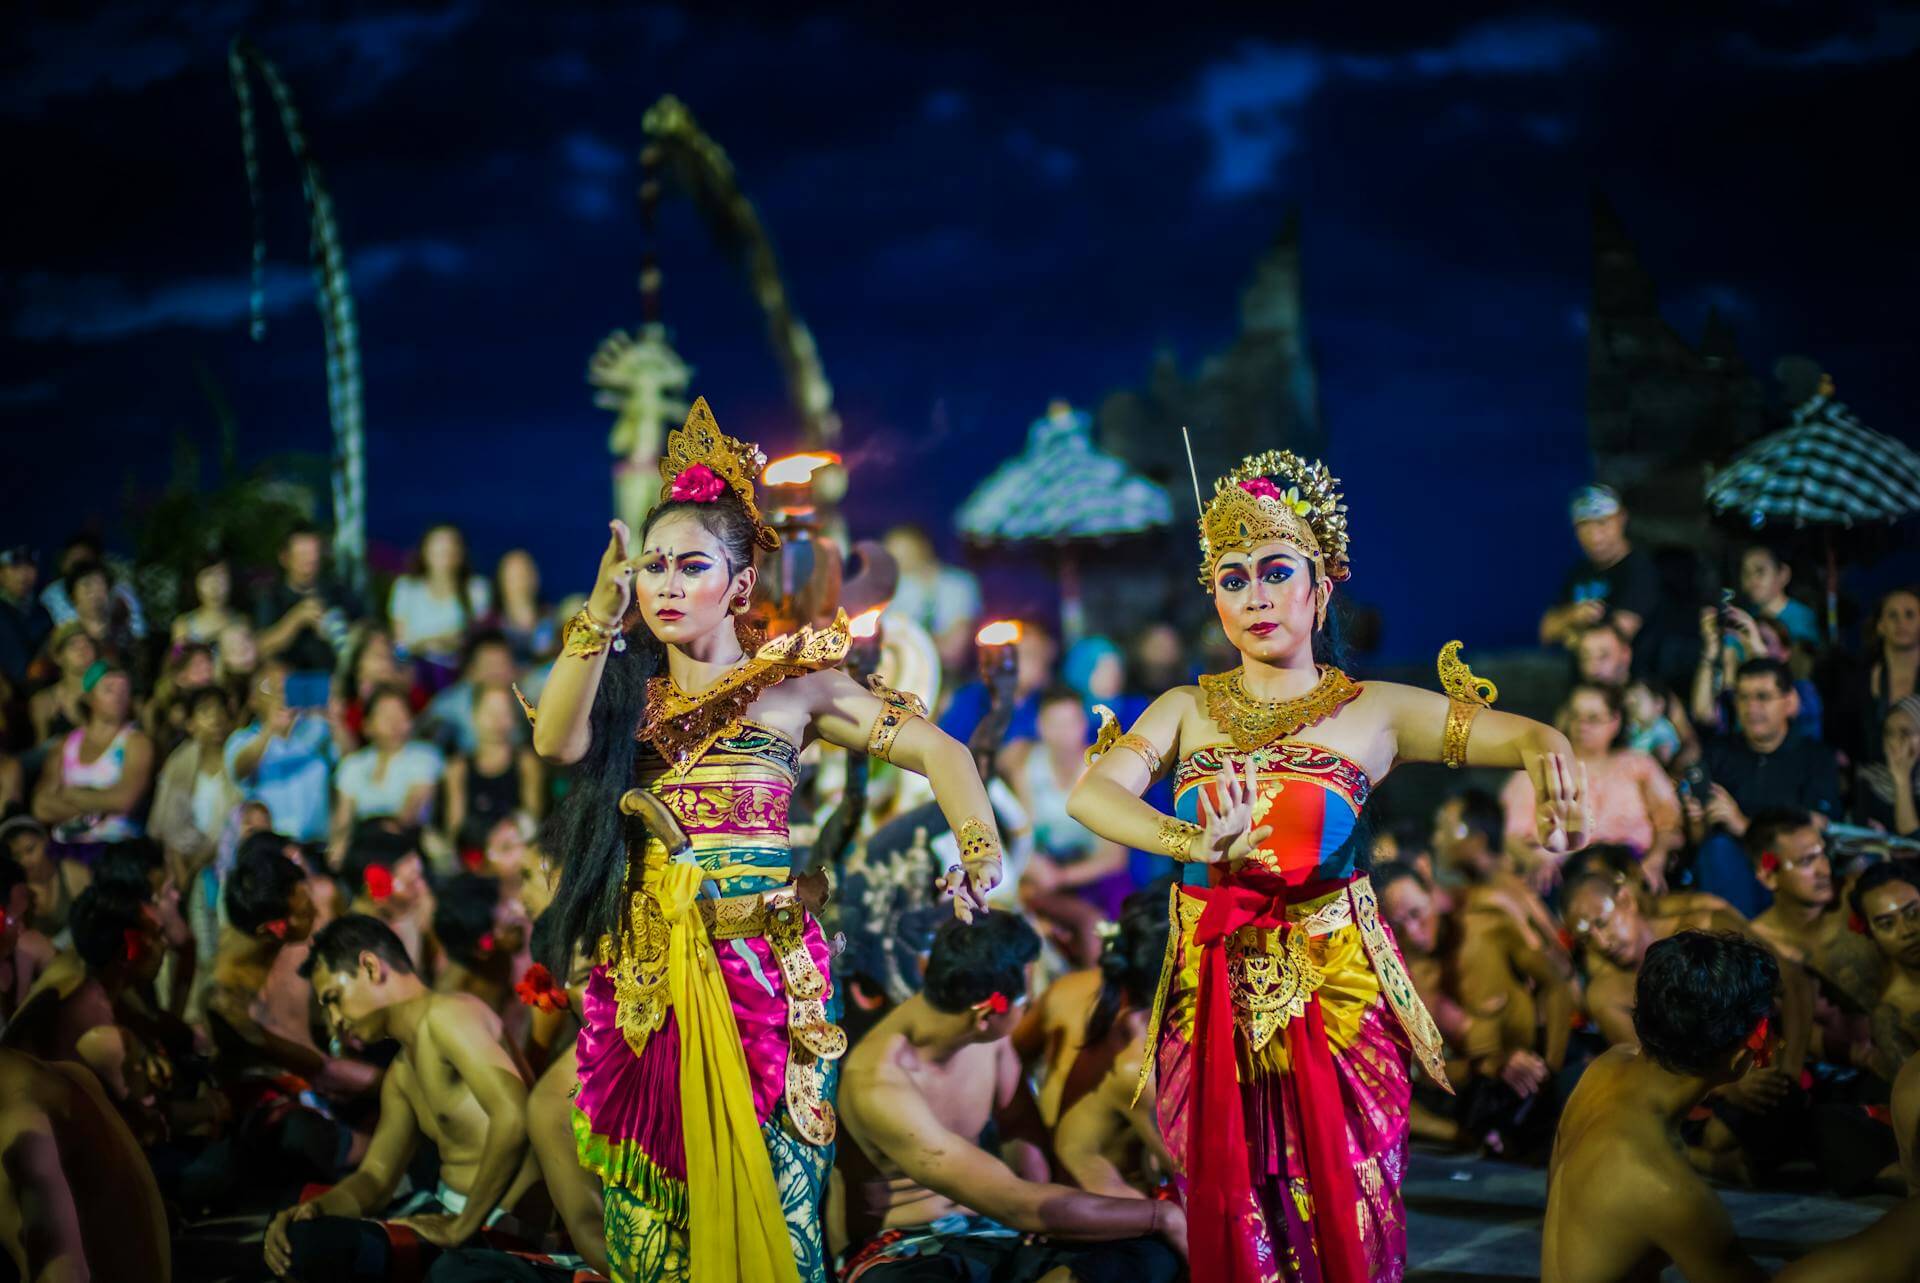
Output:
x,y
736,1229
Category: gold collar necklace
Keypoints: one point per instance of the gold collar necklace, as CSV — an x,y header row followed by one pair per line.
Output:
x,y
1253,723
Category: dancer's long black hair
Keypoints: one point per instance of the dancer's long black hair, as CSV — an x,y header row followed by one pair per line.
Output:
x,y
586,832
1130,962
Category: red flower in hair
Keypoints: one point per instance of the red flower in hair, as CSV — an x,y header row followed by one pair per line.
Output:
x,y
1857,924
1760,1042
1260,488
536,989
698,484
473,857
486,943
996,1002
136,942
379,880
1769,862
276,928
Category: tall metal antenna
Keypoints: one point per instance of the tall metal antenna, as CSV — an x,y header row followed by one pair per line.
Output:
x,y
1198,507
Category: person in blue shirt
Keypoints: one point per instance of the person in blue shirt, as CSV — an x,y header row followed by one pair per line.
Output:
x,y
284,759
1763,581
968,708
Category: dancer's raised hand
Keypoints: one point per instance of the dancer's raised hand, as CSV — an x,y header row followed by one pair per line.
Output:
x,y
1227,833
613,586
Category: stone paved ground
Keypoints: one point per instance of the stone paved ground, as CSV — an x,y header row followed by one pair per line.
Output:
x,y
1476,1219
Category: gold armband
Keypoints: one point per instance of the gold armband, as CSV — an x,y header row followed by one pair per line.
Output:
x,y
583,637
1466,696
1109,738
1144,747
898,708
977,842
1177,838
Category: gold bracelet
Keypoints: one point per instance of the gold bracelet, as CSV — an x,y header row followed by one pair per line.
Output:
x,y
1453,741
1177,838
584,636
897,709
1144,747
977,842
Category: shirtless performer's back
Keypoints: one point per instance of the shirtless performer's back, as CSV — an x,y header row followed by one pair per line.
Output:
x,y
1622,1199
76,1195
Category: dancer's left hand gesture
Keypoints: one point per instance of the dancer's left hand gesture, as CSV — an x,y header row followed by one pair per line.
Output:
x,y
969,885
1562,802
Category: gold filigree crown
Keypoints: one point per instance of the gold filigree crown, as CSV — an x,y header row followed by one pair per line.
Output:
x,y
1294,501
701,443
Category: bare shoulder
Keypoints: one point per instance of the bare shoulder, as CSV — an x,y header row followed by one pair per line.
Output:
x,y
461,1013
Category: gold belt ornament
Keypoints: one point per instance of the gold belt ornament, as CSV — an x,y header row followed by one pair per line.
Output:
x,y
1272,974
637,965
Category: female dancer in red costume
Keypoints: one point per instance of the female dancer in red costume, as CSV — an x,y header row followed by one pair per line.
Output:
x,y
1285,1013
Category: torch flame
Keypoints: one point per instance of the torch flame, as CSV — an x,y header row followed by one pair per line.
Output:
x,y
796,469
1003,632
866,623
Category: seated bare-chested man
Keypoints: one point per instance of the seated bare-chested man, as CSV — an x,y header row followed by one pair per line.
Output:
x,y
1886,899
1522,1004
453,1082
1469,835
1807,924
1623,1200
77,1199
259,1011
1072,1032
1108,1141
90,1013
916,1094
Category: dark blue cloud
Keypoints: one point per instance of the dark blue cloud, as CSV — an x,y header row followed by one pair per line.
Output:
x,y
973,218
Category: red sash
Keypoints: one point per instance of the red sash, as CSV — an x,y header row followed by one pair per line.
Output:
x,y
1220,1186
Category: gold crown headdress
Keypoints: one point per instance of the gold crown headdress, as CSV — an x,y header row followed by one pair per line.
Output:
x,y
1292,500
701,444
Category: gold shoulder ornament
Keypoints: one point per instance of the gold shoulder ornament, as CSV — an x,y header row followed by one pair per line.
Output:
x,y
1108,738
1467,694
680,727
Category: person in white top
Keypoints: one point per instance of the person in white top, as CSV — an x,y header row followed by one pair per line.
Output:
x,y
433,609
392,776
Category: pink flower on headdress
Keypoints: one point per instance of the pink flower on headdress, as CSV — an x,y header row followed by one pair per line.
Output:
x,y
1260,488
698,484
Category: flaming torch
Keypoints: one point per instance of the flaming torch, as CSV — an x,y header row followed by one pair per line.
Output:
x,y
863,659
1000,670
803,578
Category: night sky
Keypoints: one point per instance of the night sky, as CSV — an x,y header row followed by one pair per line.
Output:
x,y
973,216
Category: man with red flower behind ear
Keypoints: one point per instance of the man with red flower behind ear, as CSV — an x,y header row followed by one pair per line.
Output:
x,y
921,1086
1807,924
1622,1199
454,1082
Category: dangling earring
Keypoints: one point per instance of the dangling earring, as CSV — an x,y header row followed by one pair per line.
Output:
x,y
740,604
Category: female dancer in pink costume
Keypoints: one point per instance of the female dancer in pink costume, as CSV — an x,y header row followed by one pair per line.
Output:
x,y
1285,1014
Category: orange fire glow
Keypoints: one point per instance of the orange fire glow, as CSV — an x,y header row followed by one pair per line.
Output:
x,y
796,469
866,623
1002,632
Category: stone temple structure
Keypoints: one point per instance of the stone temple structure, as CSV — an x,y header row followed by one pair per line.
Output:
x,y
1259,393
1661,412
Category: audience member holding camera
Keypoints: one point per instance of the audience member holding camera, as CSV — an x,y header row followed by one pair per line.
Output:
x,y
1763,764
